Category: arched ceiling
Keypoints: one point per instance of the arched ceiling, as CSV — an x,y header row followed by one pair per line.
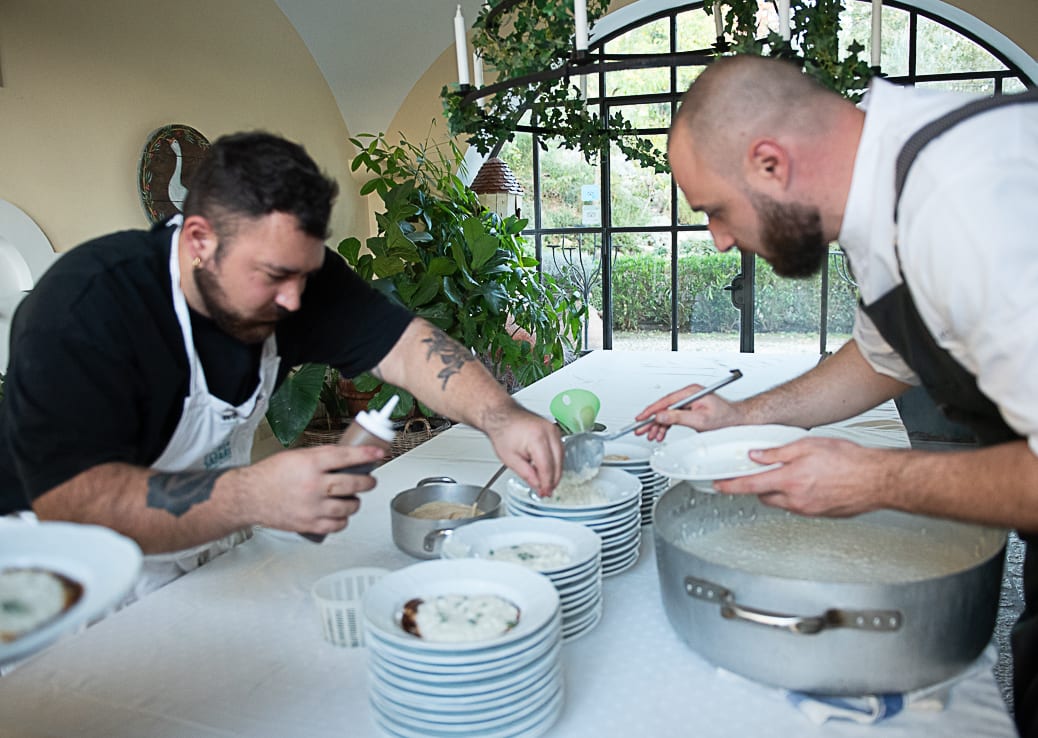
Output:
x,y
372,52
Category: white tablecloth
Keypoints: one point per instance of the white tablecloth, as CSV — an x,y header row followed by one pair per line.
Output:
x,y
235,648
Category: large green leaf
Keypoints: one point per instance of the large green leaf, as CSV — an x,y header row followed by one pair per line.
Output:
x,y
350,249
483,248
428,288
293,405
441,266
387,266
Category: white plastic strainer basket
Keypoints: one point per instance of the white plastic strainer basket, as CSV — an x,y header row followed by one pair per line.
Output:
x,y
338,598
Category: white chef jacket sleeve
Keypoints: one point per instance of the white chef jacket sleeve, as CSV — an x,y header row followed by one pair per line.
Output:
x,y
877,352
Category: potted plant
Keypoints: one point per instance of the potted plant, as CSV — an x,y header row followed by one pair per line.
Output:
x,y
440,254
463,268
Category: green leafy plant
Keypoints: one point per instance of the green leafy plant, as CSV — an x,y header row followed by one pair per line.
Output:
x,y
530,41
539,38
814,42
463,268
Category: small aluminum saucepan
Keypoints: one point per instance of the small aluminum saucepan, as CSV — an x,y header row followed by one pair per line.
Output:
x,y
423,537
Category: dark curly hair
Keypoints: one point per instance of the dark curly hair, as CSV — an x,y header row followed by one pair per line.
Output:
x,y
254,174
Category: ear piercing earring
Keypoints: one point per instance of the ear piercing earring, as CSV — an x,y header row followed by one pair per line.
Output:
x,y
196,262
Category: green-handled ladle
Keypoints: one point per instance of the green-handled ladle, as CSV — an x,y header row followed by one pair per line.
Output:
x,y
575,409
584,452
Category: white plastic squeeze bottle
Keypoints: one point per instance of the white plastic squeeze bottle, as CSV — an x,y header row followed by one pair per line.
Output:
x,y
367,429
370,429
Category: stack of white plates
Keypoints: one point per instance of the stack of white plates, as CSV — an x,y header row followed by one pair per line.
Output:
x,y
616,518
508,685
569,554
633,458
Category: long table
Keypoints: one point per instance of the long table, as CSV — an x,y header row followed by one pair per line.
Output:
x,y
235,648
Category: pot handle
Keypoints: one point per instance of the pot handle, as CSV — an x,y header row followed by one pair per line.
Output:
x,y
882,621
435,539
435,480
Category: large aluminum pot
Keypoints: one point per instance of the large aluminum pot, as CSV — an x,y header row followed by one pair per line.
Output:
x,y
820,634
424,537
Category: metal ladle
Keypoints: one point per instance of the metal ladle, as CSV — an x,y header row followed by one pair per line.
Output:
x,y
479,497
584,452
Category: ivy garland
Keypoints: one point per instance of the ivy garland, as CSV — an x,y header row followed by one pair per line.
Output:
x,y
539,38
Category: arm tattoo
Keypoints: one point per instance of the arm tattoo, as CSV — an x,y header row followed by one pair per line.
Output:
x,y
178,492
452,354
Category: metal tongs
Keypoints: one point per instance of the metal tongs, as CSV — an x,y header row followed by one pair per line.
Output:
x,y
584,452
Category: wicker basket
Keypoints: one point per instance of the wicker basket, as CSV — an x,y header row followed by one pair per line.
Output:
x,y
320,434
415,432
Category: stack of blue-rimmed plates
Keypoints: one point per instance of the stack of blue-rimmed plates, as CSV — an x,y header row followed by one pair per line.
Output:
x,y
633,458
615,514
569,554
507,684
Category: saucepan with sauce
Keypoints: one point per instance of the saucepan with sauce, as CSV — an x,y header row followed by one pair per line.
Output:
x,y
425,516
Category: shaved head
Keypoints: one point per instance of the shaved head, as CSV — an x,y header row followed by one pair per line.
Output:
x,y
739,98
767,154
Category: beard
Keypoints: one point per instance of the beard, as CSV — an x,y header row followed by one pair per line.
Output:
x,y
791,235
247,329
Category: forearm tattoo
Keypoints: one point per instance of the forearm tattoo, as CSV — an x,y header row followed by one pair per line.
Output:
x,y
452,354
178,492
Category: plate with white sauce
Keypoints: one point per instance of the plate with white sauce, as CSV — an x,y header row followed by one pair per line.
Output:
x,y
100,562
533,595
608,489
543,544
723,453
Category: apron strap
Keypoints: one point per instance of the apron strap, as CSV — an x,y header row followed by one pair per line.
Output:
x,y
935,128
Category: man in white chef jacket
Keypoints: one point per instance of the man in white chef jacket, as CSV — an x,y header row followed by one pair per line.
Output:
x,y
931,195
142,363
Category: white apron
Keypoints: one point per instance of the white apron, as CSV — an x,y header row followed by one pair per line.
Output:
x,y
211,434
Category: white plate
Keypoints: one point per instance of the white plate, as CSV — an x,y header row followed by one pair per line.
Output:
x,y
464,664
621,565
637,454
532,725
105,563
477,540
454,712
577,584
532,593
583,516
721,454
571,634
475,689
616,487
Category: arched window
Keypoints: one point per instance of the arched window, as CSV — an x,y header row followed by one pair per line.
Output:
x,y
625,237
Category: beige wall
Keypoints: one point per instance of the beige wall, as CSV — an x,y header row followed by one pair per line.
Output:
x,y
1017,20
84,83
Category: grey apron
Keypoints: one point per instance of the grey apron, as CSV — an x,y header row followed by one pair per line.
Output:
x,y
955,392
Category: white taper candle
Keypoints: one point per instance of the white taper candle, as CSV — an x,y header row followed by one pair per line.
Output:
x,y
877,31
783,13
580,24
477,69
461,47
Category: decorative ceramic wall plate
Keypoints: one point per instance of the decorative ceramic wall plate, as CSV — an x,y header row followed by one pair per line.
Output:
x,y
168,160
